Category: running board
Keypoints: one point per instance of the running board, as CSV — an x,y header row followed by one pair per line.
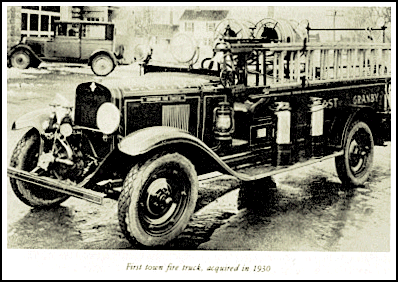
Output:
x,y
257,172
57,185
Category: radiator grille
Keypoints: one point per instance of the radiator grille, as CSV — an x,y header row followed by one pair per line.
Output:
x,y
176,116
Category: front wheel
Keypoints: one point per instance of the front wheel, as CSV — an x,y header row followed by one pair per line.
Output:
x,y
25,157
102,65
354,166
158,199
20,59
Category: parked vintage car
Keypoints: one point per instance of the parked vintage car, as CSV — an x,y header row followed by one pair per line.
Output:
x,y
73,41
145,142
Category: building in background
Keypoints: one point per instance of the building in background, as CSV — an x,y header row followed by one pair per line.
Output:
x,y
201,24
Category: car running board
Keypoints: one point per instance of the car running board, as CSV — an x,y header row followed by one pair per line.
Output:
x,y
257,172
57,185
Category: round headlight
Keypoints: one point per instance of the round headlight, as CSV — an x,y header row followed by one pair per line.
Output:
x,y
66,129
108,118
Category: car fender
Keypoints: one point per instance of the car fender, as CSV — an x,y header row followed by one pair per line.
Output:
x,y
23,47
363,113
344,119
33,119
103,51
162,137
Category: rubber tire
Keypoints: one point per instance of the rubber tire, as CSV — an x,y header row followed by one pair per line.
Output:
x,y
99,57
27,59
25,157
342,162
129,220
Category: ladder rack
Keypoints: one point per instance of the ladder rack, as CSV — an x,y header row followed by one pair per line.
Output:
x,y
287,64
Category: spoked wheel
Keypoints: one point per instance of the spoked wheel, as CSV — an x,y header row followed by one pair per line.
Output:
x,y
102,65
158,199
20,59
353,168
25,157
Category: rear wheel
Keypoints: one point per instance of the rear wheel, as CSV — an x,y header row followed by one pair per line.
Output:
x,y
354,166
20,59
158,199
25,157
102,65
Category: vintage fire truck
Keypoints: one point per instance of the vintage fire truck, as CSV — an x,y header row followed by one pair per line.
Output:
x,y
276,102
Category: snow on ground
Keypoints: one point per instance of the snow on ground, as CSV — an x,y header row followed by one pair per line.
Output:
x,y
13,73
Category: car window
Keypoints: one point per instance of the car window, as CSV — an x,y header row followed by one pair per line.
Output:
x,y
93,31
68,29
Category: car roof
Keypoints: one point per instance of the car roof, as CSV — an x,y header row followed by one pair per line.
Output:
x,y
83,22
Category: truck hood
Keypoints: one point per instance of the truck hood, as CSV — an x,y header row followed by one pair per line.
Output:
x,y
157,83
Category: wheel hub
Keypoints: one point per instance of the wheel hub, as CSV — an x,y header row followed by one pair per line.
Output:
x,y
163,202
358,155
159,202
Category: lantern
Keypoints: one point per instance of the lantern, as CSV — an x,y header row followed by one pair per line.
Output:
x,y
223,121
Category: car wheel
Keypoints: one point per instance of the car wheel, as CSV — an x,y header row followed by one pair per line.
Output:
x,y
20,59
25,157
102,65
354,166
158,199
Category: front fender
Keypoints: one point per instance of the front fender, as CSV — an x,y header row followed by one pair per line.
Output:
x,y
33,119
158,137
25,47
150,138
96,52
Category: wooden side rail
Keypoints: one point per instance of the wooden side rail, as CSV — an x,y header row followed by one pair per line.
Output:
x,y
279,64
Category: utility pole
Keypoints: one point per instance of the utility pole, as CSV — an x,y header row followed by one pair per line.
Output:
x,y
334,15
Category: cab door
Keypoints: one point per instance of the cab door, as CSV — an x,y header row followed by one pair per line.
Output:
x,y
67,41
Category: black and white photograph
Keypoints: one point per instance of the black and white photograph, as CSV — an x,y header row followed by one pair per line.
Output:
x,y
199,140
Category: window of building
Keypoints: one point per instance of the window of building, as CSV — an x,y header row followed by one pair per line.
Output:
x,y
31,7
44,22
39,20
210,26
56,9
24,21
34,22
53,19
189,26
